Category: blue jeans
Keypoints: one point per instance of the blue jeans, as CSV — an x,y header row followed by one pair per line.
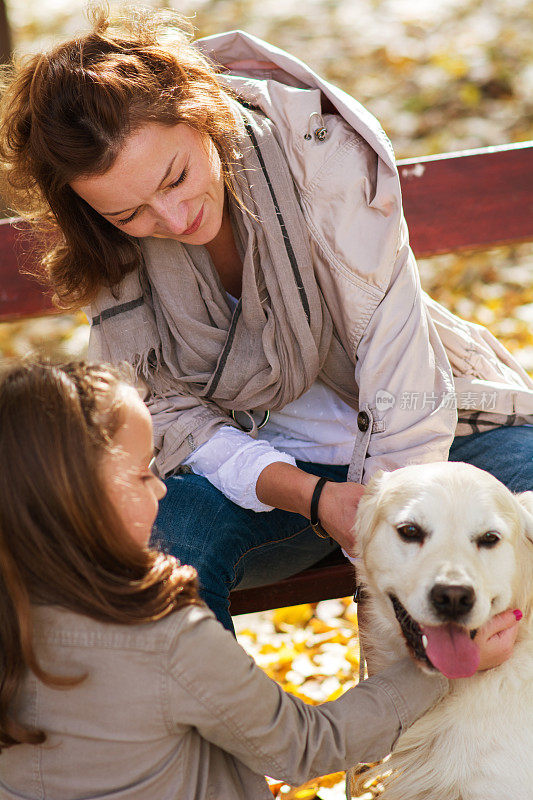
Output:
x,y
234,547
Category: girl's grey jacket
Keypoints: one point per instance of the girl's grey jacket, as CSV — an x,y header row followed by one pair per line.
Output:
x,y
415,362
176,710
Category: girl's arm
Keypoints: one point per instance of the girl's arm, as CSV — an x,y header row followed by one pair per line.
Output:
x,y
217,688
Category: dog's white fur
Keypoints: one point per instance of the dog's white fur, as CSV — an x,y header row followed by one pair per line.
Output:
x,y
477,742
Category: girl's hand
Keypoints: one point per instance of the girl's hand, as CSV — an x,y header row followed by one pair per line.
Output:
x,y
496,638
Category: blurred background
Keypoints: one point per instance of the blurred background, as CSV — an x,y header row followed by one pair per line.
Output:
x,y
440,75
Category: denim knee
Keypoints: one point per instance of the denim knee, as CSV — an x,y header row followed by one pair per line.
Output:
x,y
193,525
506,452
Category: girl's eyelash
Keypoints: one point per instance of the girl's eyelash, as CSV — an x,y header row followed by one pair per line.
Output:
x,y
170,186
128,219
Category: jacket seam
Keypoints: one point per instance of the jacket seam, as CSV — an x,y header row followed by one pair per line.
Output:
x,y
350,144
396,699
360,325
38,767
333,260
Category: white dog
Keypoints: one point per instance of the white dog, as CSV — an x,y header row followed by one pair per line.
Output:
x,y
442,548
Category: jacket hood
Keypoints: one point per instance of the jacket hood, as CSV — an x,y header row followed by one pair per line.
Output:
x,y
246,55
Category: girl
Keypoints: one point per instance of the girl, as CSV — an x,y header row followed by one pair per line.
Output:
x,y
115,679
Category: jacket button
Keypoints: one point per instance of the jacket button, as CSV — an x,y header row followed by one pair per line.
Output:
x,y
363,421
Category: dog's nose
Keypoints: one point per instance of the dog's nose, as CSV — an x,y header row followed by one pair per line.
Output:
x,y
452,602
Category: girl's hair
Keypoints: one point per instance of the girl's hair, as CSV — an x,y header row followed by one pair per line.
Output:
x,y
66,114
61,541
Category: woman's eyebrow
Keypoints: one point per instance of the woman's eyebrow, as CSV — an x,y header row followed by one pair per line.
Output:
x,y
163,179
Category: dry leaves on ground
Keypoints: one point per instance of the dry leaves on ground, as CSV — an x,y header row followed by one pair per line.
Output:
x,y
312,651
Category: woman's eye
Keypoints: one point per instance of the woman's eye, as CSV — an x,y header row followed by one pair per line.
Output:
x,y
488,539
180,179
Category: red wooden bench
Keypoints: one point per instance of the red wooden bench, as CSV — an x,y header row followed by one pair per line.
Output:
x,y
453,201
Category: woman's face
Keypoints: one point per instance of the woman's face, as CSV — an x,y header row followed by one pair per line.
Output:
x,y
166,182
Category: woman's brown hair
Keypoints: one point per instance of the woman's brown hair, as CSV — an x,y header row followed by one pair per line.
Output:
x,y
66,113
61,541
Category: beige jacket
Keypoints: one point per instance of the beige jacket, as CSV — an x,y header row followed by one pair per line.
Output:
x,y
412,357
176,710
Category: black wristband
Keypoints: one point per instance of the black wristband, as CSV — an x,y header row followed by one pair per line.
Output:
x,y
315,522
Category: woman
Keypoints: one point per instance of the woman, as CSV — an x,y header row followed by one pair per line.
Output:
x,y
238,237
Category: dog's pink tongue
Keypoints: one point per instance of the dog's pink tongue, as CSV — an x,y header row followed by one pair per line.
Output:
x,y
451,650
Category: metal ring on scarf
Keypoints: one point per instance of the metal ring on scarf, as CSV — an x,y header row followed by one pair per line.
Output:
x,y
266,417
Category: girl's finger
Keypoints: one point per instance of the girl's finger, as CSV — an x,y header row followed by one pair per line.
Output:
x,y
497,624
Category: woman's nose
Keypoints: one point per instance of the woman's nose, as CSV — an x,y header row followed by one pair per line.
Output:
x,y
170,213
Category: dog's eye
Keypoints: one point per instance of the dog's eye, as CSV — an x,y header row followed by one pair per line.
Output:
x,y
488,539
411,533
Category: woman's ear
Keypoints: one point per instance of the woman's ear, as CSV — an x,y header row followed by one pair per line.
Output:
x,y
367,509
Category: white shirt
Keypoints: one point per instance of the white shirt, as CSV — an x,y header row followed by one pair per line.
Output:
x,y
317,427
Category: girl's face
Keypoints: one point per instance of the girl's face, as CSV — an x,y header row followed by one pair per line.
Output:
x,y
166,182
132,487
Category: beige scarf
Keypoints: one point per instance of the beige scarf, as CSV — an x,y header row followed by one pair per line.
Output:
x,y
173,323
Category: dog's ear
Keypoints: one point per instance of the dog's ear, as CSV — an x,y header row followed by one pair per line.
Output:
x,y
367,509
525,500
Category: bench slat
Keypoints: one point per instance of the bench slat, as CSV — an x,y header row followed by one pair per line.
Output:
x,y
309,586
452,201
469,200
19,295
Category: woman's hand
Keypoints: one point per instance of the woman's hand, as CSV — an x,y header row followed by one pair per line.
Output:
x,y
336,512
283,486
496,638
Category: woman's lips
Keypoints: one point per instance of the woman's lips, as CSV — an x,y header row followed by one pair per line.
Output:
x,y
196,224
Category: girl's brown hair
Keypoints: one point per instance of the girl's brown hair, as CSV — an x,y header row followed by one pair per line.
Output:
x,y
61,541
66,114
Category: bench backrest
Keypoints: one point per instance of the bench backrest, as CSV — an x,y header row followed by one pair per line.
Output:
x,y
453,201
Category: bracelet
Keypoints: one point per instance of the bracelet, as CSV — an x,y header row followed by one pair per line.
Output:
x,y
315,522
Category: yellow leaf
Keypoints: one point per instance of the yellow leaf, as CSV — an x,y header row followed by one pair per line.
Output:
x,y
453,64
328,781
306,794
292,615
470,95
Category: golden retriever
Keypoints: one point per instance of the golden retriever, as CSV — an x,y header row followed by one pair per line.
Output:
x,y
442,548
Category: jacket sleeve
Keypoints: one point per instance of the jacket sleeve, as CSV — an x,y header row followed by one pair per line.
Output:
x,y
232,461
214,686
404,376
181,425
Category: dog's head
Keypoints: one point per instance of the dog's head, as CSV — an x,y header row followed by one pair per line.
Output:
x,y
443,548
